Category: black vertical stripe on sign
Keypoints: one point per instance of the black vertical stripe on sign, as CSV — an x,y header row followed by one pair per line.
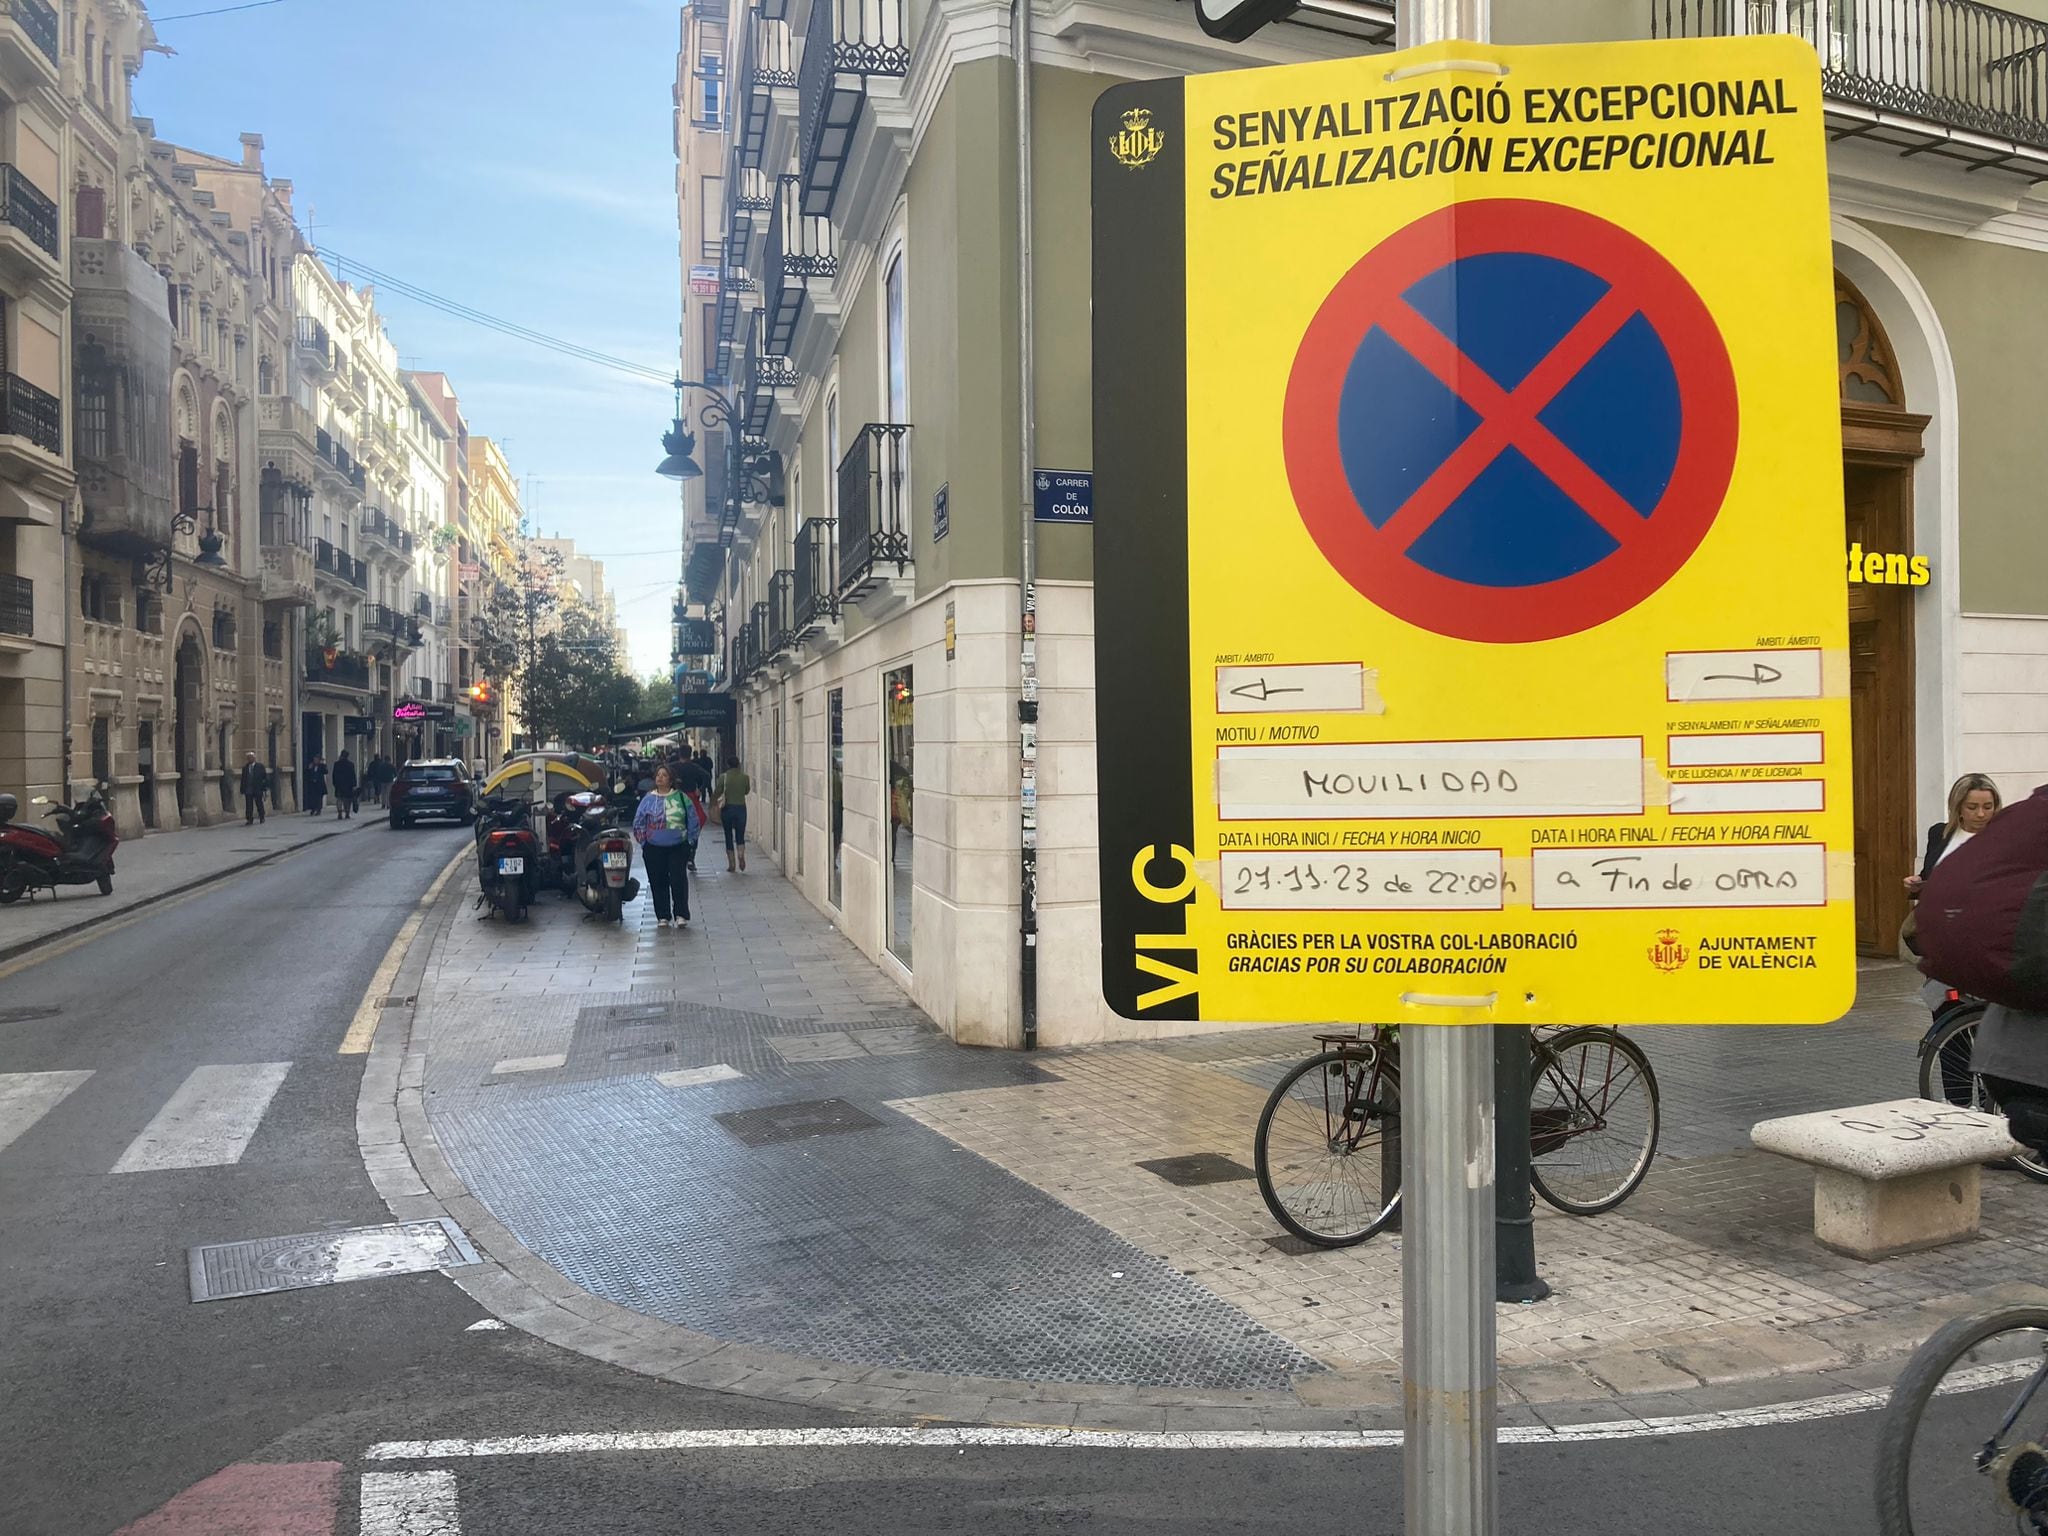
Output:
x,y
1145,788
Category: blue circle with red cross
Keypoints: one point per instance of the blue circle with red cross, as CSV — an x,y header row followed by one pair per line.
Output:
x,y
1510,421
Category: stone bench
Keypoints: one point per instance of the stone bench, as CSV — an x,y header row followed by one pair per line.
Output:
x,y
1890,1178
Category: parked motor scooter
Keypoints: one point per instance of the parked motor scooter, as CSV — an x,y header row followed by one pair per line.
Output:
x,y
507,856
603,858
80,852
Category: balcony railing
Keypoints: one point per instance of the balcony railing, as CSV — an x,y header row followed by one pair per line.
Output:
x,y
313,340
28,208
846,43
760,633
344,671
764,65
423,608
328,559
36,414
380,620
1953,62
323,444
816,592
39,21
781,611
800,248
874,519
17,605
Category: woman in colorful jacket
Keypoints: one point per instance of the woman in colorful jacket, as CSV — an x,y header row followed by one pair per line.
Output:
x,y
664,826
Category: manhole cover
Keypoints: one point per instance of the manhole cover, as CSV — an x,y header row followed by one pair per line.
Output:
x,y
1198,1168
266,1264
795,1122
646,1048
23,1015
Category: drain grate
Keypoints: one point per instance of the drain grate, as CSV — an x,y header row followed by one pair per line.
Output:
x,y
795,1122
265,1264
1197,1168
632,1013
24,1015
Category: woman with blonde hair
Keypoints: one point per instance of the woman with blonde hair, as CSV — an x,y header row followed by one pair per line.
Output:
x,y
1972,801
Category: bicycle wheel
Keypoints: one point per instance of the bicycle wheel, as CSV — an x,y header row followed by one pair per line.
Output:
x,y
1959,1448
1322,1149
1593,1118
1946,1078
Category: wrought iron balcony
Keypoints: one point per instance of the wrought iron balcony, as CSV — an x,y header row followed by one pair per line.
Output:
x,y
323,444
345,671
314,343
816,592
28,208
17,605
760,633
800,251
1955,63
355,572
36,414
380,620
781,612
846,44
38,22
764,67
423,608
874,515
327,559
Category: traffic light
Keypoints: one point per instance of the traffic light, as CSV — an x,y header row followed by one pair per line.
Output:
x,y
480,692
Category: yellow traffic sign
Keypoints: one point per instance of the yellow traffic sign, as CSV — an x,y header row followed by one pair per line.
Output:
x,y
1469,480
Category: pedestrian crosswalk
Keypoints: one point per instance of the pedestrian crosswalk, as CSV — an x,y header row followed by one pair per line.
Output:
x,y
207,1122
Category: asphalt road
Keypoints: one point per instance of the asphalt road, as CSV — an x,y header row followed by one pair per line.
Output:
x,y
120,1393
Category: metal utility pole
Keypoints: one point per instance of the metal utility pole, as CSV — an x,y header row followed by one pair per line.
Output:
x,y
1447,1150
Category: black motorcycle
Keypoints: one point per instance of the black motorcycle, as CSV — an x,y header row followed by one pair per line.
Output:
x,y
79,852
507,857
602,861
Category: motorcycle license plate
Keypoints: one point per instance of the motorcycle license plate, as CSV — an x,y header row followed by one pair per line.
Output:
x,y
617,860
511,866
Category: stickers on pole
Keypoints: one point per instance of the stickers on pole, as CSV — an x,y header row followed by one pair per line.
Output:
x,y
1467,440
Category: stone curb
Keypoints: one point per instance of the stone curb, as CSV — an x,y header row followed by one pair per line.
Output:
x,y
115,914
1737,1367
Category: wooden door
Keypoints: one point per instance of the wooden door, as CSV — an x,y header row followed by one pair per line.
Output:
x,y
1881,706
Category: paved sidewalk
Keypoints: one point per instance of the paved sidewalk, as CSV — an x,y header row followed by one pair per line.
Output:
x,y
148,869
737,1152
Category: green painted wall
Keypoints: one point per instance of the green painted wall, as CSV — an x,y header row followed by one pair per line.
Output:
x,y
1989,298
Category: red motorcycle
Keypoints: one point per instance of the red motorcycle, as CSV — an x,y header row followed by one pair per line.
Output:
x,y
81,852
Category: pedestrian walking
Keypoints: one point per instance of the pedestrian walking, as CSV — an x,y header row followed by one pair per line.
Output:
x,y
255,789
378,777
732,812
345,788
316,784
664,825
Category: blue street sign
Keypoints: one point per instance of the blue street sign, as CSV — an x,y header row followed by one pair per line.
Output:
x,y
1063,496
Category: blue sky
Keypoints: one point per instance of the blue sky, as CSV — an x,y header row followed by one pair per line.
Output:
x,y
511,154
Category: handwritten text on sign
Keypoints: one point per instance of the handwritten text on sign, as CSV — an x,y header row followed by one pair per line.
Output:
x,y
1598,776
1758,875
1465,881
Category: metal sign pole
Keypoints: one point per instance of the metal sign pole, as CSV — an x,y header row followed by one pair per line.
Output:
x,y
1447,1151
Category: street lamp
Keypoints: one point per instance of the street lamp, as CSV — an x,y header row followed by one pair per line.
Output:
x,y
758,472
678,443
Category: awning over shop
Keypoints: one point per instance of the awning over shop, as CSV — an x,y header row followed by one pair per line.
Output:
x,y
701,575
700,712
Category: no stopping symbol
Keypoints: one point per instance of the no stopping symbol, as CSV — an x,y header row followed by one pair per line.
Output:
x,y
1510,421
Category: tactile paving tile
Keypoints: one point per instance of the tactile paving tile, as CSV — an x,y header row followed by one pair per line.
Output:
x,y
894,1247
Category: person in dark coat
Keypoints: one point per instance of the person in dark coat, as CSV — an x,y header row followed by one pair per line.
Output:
x,y
344,788
1972,801
377,776
255,787
316,784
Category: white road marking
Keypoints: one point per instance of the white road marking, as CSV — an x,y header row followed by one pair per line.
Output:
x,y
691,1077
997,1437
362,1028
484,1325
25,1097
531,1063
409,1504
209,1121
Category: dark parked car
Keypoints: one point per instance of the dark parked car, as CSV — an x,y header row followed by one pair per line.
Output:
x,y
432,787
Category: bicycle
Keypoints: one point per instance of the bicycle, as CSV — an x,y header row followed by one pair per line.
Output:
x,y
1327,1149
1945,1074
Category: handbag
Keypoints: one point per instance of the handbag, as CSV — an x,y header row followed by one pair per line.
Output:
x,y
1909,930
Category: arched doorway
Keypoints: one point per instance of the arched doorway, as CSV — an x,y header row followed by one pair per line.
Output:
x,y
1881,440
188,727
